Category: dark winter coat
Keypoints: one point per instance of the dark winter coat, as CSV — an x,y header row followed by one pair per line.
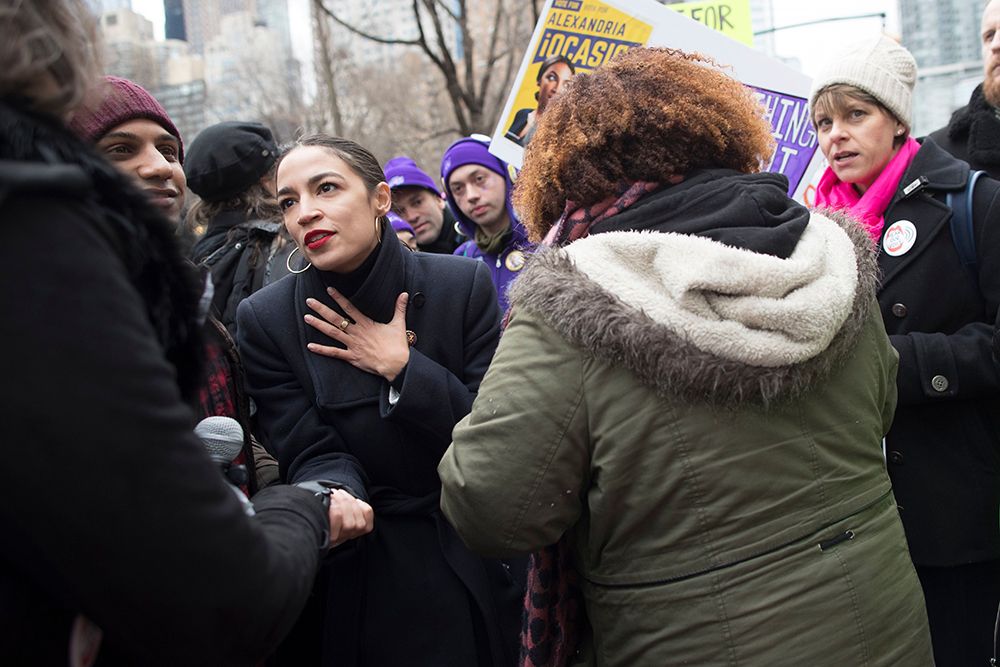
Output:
x,y
411,593
701,388
243,256
112,509
448,239
943,449
973,135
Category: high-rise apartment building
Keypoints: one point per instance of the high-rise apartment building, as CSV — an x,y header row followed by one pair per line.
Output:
x,y
165,68
247,71
942,32
173,11
943,36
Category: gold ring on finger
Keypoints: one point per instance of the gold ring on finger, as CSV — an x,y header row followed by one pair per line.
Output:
x,y
343,324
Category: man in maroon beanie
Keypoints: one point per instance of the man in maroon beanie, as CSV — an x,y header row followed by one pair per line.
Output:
x,y
136,136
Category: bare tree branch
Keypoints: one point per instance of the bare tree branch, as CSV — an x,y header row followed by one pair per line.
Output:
x,y
448,9
362,33
475,79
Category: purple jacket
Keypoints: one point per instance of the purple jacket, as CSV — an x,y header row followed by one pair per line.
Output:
x,y
503,267
507,265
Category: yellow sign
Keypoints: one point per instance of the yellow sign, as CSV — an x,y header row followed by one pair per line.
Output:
x,y
577,36
730,17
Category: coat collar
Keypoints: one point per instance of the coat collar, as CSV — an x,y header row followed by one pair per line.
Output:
x,y
942,171
927,215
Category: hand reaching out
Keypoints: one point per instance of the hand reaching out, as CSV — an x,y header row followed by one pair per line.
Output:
x,y
349,517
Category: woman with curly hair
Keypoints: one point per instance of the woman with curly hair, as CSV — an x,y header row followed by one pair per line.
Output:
x,y
700,382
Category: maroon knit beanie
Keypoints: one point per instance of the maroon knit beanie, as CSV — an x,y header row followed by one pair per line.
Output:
x,y
124,101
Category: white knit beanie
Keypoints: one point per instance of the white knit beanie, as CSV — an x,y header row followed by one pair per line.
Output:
x,y
880,67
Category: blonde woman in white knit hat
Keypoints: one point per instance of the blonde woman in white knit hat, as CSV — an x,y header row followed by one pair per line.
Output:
x,y
940,259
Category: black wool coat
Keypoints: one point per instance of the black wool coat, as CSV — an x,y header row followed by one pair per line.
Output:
x,y
943,449
411,592
973,135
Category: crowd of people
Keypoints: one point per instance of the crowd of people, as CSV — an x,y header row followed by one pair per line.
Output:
x,y
630,406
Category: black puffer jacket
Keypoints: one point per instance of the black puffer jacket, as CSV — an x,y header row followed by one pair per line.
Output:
x,y
111,509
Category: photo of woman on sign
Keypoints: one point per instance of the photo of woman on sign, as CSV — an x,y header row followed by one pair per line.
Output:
x,y
554,76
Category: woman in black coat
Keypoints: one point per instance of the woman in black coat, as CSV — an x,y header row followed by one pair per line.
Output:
x,y
360,366
943,450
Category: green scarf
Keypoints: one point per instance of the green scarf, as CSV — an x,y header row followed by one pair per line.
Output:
x,y
493,245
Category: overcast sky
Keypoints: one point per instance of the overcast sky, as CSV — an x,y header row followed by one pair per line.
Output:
x,y
811,45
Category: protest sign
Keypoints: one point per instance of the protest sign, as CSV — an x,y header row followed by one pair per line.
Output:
x,y
730,17
569,28
585,34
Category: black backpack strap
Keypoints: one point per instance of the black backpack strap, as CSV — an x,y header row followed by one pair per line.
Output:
x,y
962,233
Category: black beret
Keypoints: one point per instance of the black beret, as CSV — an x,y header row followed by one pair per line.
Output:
x,y
226,159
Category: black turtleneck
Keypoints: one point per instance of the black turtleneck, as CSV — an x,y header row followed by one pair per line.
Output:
x,y
348,284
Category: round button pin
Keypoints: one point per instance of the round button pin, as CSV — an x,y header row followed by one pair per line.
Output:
x,y
899,238
515,260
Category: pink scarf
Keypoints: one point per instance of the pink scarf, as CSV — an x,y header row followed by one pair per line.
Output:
x,y
869,208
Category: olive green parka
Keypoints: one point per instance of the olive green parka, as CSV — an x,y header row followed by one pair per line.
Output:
x,y
704,424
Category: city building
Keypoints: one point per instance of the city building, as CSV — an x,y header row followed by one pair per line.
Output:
x,y
173,11
247,70
165,68
943,36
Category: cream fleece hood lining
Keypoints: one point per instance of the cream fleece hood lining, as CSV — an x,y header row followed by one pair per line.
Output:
x,y
699,320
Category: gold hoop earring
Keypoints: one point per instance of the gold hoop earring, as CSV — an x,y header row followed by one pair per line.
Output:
x,y
378,229
288,262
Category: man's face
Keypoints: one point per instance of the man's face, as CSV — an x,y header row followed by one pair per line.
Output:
x,y
145,152
481,194
423,209
991,52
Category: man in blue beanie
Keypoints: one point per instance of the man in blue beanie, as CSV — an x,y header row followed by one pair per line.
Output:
x,y
417,201
478,187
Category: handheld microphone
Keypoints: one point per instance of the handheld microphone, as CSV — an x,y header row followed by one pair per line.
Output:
x,y
223,438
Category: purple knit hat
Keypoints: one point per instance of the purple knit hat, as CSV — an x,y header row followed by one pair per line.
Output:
x,y
469,151
124,101
398,223
402,171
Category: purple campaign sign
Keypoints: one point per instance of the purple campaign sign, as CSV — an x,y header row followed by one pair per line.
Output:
x,y
793,133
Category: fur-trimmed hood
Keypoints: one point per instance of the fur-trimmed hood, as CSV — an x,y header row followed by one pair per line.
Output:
x,y
698,320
